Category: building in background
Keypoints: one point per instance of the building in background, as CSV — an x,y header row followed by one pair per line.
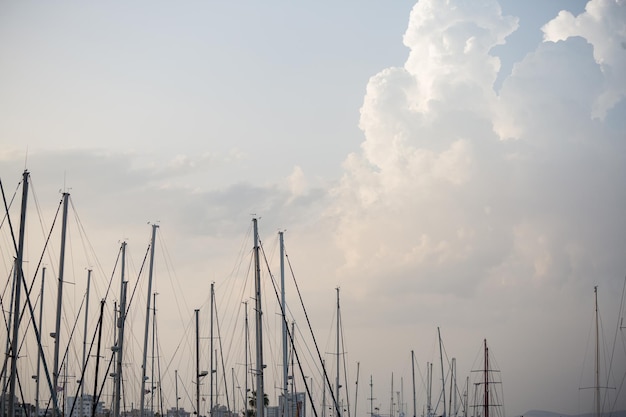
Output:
x,y
173,412
295,406
83,406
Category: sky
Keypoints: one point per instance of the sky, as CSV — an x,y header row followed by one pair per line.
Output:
x,y
456,165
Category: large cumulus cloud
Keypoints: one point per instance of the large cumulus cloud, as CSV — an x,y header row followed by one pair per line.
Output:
x,y
457,188
468,206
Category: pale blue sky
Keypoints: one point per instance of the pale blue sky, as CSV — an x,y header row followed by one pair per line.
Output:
x,y
281,81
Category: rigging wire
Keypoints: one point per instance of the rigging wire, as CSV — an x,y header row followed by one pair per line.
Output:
x,y
158,348
171,273
605,398
7,325
44,228
292,341
132,295
419,371
319,355
20,273
618,330
6,213
87,246
219,338
345,370
84,366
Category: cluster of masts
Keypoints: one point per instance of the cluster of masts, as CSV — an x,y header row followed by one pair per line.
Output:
x,y
53,377
115,368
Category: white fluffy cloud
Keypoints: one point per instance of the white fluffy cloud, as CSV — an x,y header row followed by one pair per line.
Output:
x,y
434,165
489,199
449,52
603,25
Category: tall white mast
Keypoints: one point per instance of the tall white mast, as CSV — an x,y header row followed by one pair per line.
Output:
x,y
337,386
232,375
153,384
57,331
451,388
211,369
597,390
119,347
198,374
443,377
260,405
466,397
82,383
176,389
356,390
245,402
324,390
391,398
145,338
413,383
429,388
119,351
43,276
83,364
286,408
371,396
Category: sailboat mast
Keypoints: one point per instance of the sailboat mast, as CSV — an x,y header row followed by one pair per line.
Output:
x,y
401,397
211,348
486,382
324,390
429,404
83,363
82,384
391,398
452,391
443,377
453,405
286,409
95,396
8,343
7,348
466,397
413,379
145,338
245,402
120,339
597,365
232,377
260,404
153,383
337,386
120,347
196,311
176,389
43,276
57,331
356,388
371,396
